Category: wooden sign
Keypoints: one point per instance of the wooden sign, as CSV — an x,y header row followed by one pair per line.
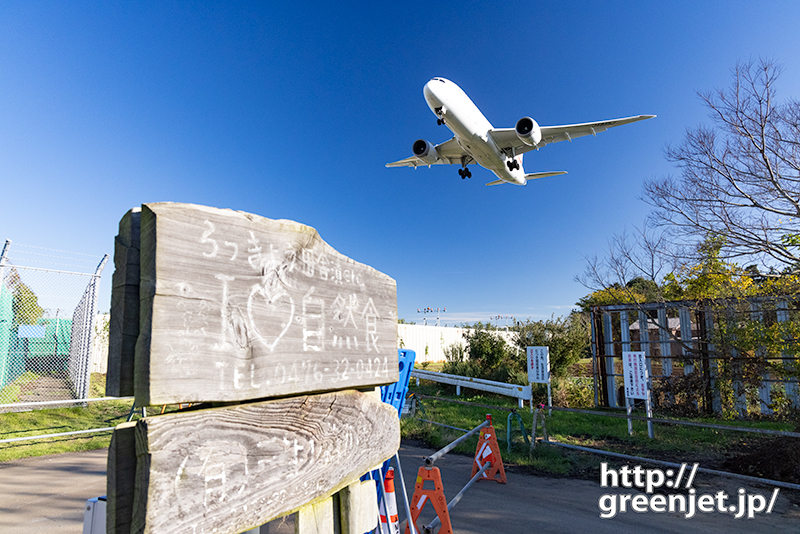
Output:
x,y
234,468
235,307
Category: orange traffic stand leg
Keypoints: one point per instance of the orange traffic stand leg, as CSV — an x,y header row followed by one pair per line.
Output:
x,y
435,496
489,451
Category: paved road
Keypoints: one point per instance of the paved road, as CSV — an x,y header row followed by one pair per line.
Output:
x,y
47,495
555,505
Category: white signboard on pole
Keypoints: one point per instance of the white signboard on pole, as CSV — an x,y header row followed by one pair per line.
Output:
x,y
634,367
538,365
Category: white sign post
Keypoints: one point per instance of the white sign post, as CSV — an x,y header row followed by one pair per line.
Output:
x,y
634,367
539,370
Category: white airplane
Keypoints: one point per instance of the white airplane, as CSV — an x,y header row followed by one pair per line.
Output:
x,y
499,150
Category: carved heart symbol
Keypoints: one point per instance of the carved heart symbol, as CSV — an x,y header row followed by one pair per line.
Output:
x,y
266,311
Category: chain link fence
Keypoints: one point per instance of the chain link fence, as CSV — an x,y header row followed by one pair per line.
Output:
x,y
47,324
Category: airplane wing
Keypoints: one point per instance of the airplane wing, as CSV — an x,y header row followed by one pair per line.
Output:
x,y
450,152
506,138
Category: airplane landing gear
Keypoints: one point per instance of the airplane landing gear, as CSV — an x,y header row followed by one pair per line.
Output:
x,y
439,116
512,164
463,172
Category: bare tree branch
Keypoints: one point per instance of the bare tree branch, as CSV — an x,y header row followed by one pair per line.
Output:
x,y
740,177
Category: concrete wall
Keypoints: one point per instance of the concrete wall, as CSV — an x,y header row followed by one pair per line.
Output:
x,y
435,339
99,361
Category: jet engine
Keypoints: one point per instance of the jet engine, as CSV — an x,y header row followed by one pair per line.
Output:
x,y
528,131
425,152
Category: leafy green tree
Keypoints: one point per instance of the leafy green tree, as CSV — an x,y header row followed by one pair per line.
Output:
x,y
489,351
486,355
567,338
613,294
709,276
26,305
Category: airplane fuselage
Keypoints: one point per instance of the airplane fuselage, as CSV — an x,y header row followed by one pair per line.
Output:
x,y
471,129
499,150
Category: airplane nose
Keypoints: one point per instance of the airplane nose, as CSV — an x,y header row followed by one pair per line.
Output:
x,y
430,96
427,92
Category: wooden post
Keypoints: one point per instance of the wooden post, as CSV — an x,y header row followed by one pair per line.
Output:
x,y
120,485
315,518
359,508
123,329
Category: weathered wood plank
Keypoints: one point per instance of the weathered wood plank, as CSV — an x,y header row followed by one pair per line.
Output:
x,y
359,507
124,324
120,479
315,518
236,307
230,469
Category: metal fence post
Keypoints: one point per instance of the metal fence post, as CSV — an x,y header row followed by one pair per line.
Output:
x,y
663,338
644,345
608,334
3,357
764,388
713,365
686,339
593,346
625,337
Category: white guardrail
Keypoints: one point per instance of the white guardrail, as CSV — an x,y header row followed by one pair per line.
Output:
x,y
509,390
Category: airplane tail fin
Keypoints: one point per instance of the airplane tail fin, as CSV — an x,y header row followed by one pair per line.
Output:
x,y
497,182
535,175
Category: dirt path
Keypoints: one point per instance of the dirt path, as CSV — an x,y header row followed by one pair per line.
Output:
x,y
46,388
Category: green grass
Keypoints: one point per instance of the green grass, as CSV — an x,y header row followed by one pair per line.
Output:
x,y
672,443
709,447
58,420
429,366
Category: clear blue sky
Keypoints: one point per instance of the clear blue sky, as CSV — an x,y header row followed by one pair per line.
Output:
x,y
291,109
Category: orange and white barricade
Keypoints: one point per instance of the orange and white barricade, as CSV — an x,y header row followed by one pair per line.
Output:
x,y
389,520
489,451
